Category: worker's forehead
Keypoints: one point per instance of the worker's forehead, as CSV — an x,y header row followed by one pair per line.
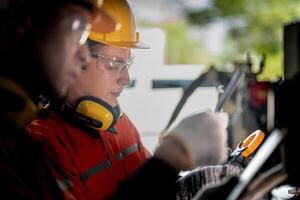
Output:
x,y
99,47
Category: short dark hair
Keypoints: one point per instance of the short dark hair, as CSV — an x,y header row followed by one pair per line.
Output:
x,y
38,11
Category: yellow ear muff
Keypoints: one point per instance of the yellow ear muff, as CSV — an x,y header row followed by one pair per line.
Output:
x,y
96,113
23,116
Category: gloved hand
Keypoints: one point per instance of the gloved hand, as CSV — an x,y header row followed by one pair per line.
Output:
x,y
219,191
202,137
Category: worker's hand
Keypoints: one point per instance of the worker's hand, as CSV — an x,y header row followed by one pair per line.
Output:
x,y
217,191
201,137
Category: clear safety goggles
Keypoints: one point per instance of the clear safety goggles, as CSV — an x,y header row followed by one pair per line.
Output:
x,y
82,30
79,25
115,65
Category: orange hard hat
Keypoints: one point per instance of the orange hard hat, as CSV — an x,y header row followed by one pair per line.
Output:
x,y
125,34
102,22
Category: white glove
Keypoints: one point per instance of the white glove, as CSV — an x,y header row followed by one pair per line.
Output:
x,y
203,137
282,192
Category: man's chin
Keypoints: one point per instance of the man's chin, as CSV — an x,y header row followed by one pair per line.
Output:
x,y
52,92
61,92
113,102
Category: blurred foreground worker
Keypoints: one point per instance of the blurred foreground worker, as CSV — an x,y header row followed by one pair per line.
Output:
x,y
42,53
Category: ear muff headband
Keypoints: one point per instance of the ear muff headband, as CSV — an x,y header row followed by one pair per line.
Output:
x,y
96,113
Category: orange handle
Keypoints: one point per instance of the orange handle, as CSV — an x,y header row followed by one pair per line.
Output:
x,y
252,142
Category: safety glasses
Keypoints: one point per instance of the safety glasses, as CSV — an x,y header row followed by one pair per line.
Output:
x,y
115,65
82,29
78,23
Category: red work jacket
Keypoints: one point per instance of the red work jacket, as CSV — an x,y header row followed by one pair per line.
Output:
x,y
87,166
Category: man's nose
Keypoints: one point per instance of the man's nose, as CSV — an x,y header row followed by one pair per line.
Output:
x,y
124,77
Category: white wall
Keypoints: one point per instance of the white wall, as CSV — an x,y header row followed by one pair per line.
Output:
x,y
150,109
